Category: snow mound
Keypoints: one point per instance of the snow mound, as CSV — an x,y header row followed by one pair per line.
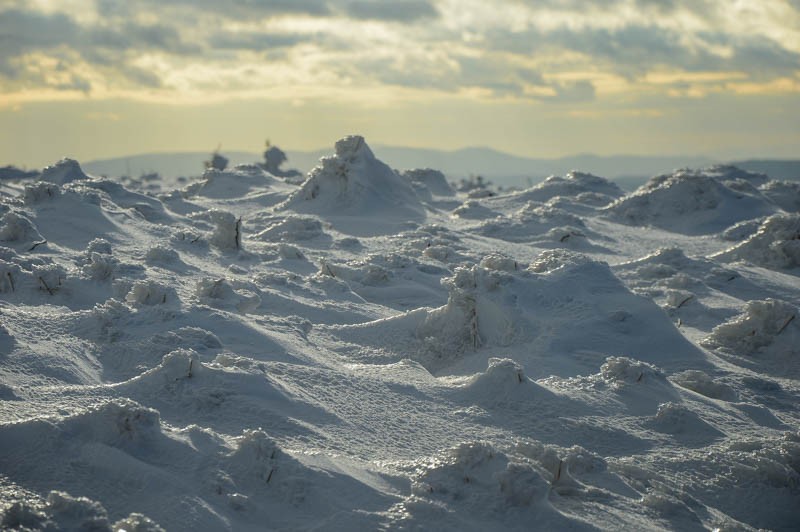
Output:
x,y
161,255
691,203
622,372
151,293
678,281
63,171
39,192
73,214
726,172
741,230
474,210
291,229
235,183
479,311
575,295
475,486
219,293
16,228
61,511
555,259
675,418
24,277
532,223
639,385
499,262
139,205
353,182
776,244
476,474
578,186
503,377
428,181
700,382
785,194
761,324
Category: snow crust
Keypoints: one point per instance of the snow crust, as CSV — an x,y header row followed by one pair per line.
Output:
x,y
368,349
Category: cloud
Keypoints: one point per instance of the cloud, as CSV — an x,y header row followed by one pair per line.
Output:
x,y
257,41
234,9
633,50
405,11
509,49
572,92
75,83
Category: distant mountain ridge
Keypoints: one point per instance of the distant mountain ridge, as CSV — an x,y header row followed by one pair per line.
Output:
x,y
502,168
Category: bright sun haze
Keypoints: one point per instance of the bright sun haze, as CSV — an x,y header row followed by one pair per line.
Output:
x,y
104,78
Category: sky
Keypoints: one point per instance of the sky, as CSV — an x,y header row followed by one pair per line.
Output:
x,y
94,79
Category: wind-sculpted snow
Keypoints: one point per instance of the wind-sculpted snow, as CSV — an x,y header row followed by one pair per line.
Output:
x,y
62,172
353,182
691,202
576,186
428,182
776,244
374,350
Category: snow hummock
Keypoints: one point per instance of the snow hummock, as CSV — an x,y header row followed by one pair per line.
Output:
x,y
760,324
64,171
692,202
429,181
776,244
353,182
577,186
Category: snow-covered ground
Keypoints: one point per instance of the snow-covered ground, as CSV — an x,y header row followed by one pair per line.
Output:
x,y
372,350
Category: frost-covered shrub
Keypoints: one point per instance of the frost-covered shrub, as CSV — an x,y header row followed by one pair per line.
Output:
x,y
475,313
117,423
776,244
100,266
228,232
50,277
15,227
62,511
755,328
678,298
161,255
40,191
555,259
150,293
210,289
500,374
477,473
9,277
441,253
219,293
623,371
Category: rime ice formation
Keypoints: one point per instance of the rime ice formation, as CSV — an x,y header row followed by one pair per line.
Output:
x,y
353,182
693,202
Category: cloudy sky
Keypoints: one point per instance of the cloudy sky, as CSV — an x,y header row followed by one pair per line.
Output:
x,y
543,78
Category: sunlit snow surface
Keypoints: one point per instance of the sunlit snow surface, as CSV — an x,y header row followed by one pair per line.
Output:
x,y
372,350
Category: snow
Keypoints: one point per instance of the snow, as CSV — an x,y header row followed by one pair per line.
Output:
x,y
370,349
